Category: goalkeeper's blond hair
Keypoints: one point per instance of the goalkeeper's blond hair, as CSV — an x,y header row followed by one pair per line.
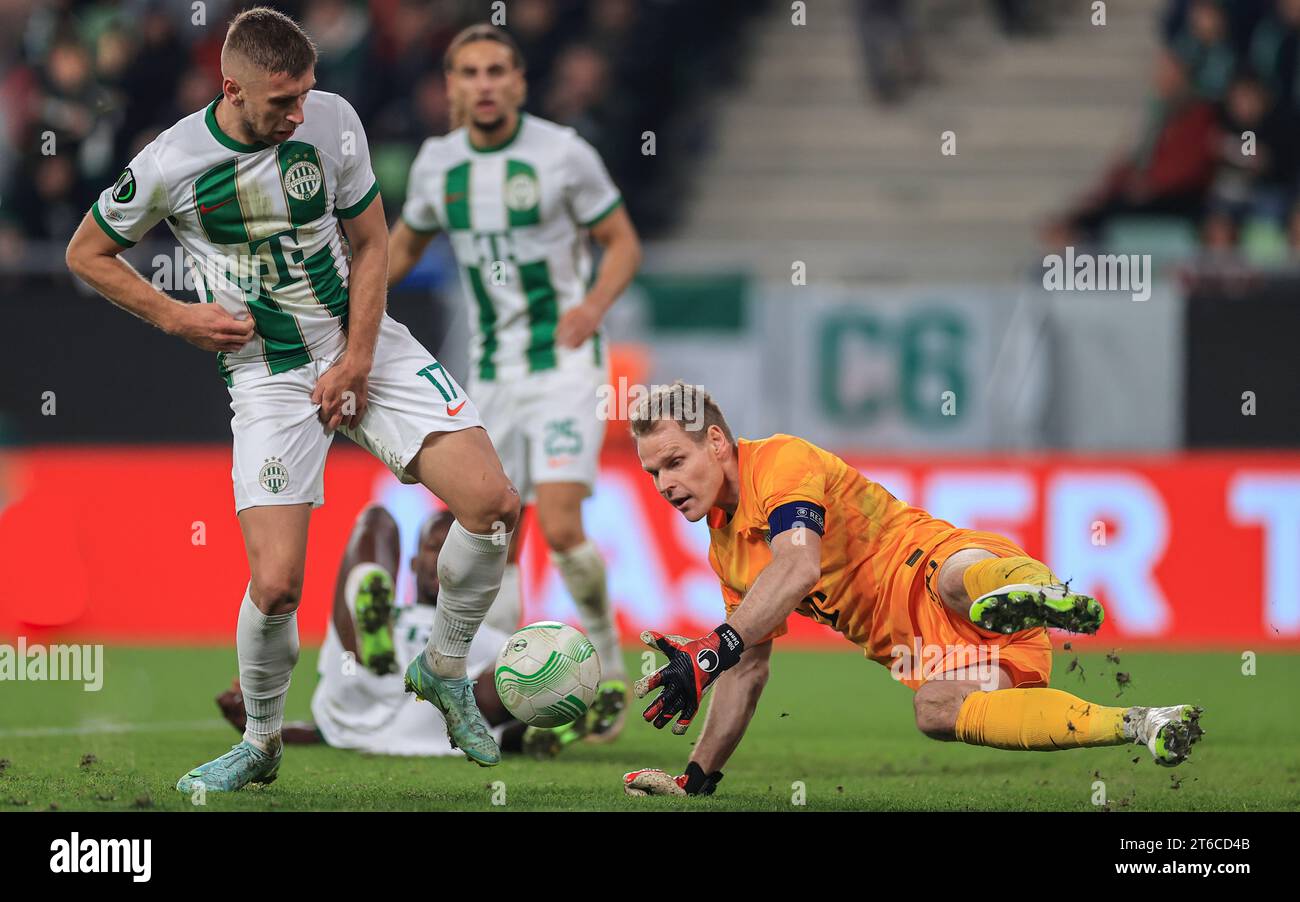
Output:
x,y
690,406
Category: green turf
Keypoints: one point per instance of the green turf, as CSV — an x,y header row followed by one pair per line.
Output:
x,y
829,722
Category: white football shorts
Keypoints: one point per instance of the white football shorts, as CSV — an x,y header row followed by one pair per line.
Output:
x,y
545,426
280,445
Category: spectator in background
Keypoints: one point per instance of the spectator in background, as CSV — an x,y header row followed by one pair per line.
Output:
x,y
341,32
1167,174
1254,176
1274,52
892,45
610,26
577,90
106,75
534,24
1205,46
1020,18
45,197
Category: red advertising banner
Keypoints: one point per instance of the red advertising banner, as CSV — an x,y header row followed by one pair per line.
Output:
x,y
140,544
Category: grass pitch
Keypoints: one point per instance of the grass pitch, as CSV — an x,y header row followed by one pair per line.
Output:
x,y
832,732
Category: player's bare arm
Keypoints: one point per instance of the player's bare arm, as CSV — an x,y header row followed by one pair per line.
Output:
x,y
694,666
782,584
367,295
405,248
622,256
730,712
94,257
732,708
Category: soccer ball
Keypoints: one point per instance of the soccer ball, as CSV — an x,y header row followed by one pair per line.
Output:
x,y
547,673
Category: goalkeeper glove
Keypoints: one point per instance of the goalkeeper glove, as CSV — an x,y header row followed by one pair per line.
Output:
x,y
654,782
691,669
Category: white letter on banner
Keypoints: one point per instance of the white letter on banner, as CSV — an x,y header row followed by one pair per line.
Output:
x,y
1122,567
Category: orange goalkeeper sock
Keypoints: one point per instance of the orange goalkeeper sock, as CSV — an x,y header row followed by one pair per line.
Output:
x,y
1037,720
990,574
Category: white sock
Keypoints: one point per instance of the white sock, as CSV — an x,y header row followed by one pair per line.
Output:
x,y
583,571
470,567
267,648
508,608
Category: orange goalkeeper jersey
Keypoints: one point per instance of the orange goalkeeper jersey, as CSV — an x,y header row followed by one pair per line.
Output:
x,y
873,545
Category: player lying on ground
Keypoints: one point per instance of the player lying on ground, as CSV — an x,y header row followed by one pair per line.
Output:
x,y
795,529
359,702
518,197
259,188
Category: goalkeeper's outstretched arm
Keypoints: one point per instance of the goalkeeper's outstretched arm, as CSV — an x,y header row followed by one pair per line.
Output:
x,y
734,699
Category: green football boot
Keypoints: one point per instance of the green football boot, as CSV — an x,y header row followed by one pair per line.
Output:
x,y
454,697
605,717
1013,608
245,763
1169,732
373,605
547,742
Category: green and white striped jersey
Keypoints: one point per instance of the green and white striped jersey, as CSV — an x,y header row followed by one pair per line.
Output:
x,y
259,224
517,216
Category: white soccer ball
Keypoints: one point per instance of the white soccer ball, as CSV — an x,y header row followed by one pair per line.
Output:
x,y
547,674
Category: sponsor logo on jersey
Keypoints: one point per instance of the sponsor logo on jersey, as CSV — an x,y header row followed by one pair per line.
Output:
x,y
124,187
274,476
302,180
522,192
452,411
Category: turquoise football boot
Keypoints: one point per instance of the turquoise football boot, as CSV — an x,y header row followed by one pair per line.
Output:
x,y
245,763
466,728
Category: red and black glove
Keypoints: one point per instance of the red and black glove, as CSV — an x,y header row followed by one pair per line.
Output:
x,y
691,669
654,782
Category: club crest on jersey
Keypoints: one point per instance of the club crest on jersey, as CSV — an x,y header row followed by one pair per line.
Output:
x,y
274,476
522,191
302,180
124,187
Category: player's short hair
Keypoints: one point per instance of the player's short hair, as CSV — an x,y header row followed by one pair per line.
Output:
x,y
482,32
271,41
690,406
437,520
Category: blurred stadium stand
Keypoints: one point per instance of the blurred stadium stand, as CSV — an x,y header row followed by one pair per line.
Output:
x,y
864,187
817,144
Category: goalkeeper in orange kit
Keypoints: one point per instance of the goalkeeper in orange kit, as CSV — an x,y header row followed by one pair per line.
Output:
x,y
958,615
